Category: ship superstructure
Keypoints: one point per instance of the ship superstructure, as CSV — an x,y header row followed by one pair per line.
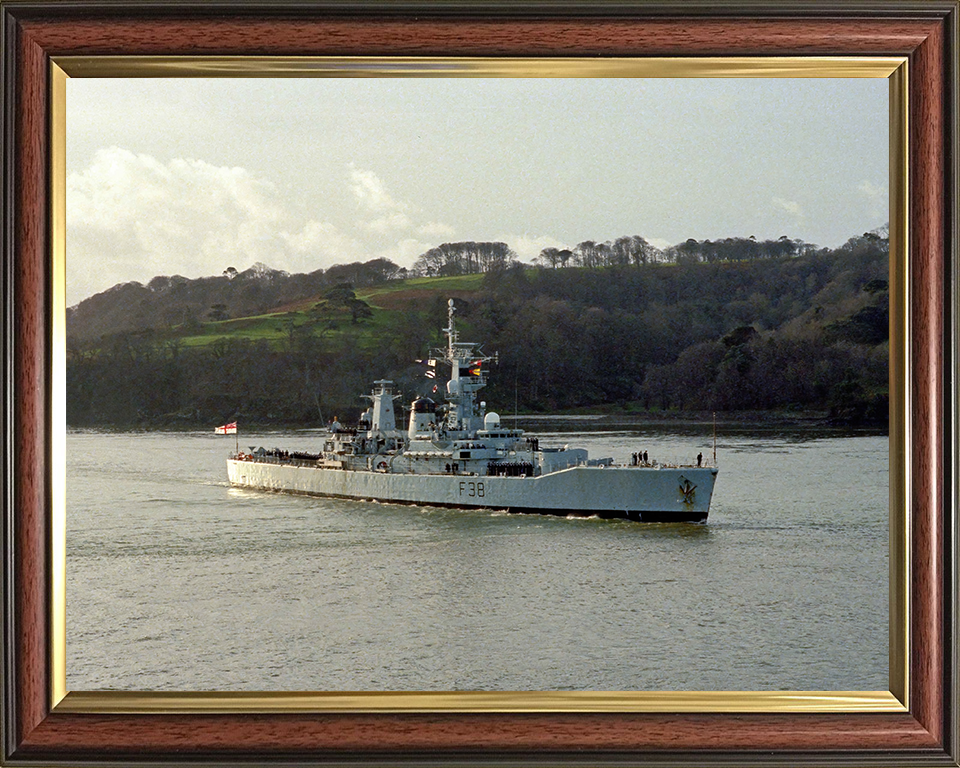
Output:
x,y
458,454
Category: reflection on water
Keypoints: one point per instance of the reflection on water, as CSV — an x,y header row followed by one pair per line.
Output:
x,y
178,581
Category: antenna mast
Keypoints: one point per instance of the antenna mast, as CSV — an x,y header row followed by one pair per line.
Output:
x,y
450,329
714,438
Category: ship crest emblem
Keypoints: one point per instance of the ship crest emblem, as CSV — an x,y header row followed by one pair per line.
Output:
x,y
687,490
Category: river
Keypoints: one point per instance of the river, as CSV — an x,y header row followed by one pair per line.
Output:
x,y
176,581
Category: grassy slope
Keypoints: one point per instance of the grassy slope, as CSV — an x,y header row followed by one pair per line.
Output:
x,y
385,301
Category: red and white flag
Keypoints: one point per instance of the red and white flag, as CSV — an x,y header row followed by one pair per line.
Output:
x,y
227,429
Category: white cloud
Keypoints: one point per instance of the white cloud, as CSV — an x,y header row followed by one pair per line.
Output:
x,y
393,218
436,229
406,251
659,242
790,206
131,216
372,194
324,242
528,248
393,222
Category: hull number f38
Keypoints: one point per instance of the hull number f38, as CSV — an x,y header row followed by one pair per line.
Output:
x,y
471,489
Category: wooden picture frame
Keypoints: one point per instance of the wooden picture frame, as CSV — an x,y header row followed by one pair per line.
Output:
x,y
37,730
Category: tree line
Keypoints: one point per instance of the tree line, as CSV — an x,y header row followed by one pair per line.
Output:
x,y
176,300
464,258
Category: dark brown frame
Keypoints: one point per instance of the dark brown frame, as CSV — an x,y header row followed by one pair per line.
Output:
x,y
925,32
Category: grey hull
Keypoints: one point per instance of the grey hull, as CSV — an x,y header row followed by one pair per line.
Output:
x,y
647,494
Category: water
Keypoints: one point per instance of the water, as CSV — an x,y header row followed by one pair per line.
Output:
x,y
176,581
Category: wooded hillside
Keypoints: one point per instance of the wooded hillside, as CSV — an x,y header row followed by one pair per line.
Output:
x,y
805,330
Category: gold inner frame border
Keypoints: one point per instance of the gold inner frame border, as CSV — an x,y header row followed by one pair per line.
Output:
x,y
894,69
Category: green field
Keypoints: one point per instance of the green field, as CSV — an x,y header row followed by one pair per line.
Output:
x,y
385,301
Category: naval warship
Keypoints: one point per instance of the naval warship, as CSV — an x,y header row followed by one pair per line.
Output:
x,y
458,454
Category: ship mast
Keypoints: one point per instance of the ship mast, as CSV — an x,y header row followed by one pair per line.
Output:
x,y
467,377
451,331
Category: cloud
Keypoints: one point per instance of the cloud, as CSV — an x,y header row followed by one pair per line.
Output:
x,y
790,206
528,248
394,222
435,229
131,217
325,242
392,218
372,194
406,251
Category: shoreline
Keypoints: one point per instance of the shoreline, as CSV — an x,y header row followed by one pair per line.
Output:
x,y
740,419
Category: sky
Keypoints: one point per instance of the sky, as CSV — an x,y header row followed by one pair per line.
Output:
x,y
191,176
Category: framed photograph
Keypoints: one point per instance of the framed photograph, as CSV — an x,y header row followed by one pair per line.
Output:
x,y
912,48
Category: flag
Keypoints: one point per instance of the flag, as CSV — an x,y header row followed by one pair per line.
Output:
x,y
432,362
475,368
431,374
227,429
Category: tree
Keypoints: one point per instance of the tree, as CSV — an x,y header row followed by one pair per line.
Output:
x,y
739,336
620,251
371,272
341,299
586,254
290,327
359,310
549,257
381,271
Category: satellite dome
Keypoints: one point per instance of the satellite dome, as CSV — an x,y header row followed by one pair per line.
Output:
x,y
491,420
